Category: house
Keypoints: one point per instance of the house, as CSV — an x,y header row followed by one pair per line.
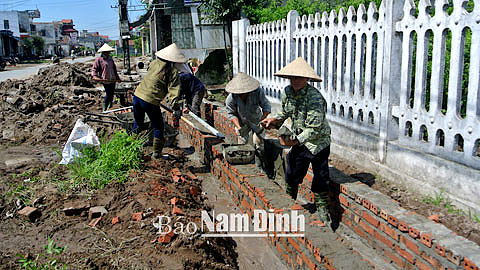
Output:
x,y
15,25
180,21
51,33
131,46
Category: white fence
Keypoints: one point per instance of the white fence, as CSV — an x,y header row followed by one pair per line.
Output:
x,y
395,73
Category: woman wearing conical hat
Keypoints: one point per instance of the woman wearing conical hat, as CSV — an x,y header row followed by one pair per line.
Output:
x,y
246,106
162,80
105,71
310,142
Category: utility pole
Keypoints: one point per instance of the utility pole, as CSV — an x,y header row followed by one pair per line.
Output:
x,y
124,33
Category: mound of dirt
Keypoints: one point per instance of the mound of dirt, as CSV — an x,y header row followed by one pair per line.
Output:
x,y
132,241
44,108
64,74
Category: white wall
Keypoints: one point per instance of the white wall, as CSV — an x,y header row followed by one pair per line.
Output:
x,y
12,17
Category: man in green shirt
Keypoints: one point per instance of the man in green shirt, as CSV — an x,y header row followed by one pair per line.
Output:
x,y
310,139
162,80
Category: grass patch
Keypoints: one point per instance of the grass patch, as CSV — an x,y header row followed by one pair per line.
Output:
x,y
43,261
22,192
110,162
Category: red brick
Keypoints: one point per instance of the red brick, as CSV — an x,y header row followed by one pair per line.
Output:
x,y
176,211
426,239
410,244
309,245
403,226
383,214
360,232
405,254
389,231
299,260
366,203
316,254
431,260
394,258
366,227
194,190
469,265
137,216
343,189
370,219
296,207
384,239
422,266
374,208
440,250
392,220
453,258
294,244
94,222
343,200
414,233
309,263
115,220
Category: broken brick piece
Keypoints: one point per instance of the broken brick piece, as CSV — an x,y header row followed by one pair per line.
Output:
x,y
137,216
194,190
296,207
435,218
115,220
30,213
176,211
317,223
174,200
94,222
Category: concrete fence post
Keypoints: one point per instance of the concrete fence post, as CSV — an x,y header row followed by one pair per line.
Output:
x,y
391,76
291,44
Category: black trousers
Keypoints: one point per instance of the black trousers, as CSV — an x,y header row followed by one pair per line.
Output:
x,y
109,92
298,161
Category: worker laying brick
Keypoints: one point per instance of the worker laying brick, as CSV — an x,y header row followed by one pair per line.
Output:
x,y
162,79
310,138
191,88
246,106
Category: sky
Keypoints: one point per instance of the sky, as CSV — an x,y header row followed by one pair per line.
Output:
x,y
91,15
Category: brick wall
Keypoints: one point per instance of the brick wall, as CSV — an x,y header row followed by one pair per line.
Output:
x,y
403,239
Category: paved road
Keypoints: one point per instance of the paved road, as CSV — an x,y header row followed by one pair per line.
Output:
x,y
28,71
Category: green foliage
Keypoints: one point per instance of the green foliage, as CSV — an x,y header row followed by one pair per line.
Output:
x,y
137,40
21,192
42,261
276,9
111,162
38,44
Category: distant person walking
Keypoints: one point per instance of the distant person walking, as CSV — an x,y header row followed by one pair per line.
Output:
x,y
105,71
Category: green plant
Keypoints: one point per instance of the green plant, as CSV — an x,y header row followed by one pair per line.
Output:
x,y
110,162
21,192
476,218
438,199
42,261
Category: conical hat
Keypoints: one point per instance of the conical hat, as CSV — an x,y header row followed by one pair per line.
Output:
x,y
299,68
241,84
106,48
171,53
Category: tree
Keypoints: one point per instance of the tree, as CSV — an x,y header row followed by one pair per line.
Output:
x,y
38,44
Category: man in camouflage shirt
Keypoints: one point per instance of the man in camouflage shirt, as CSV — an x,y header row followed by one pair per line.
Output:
x,y
310,139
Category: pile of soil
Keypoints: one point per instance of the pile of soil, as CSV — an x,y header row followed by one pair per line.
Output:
x,y
44,108
131,243
461,224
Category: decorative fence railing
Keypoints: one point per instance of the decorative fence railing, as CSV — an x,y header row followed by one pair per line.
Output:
x,y
407,74
348,51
